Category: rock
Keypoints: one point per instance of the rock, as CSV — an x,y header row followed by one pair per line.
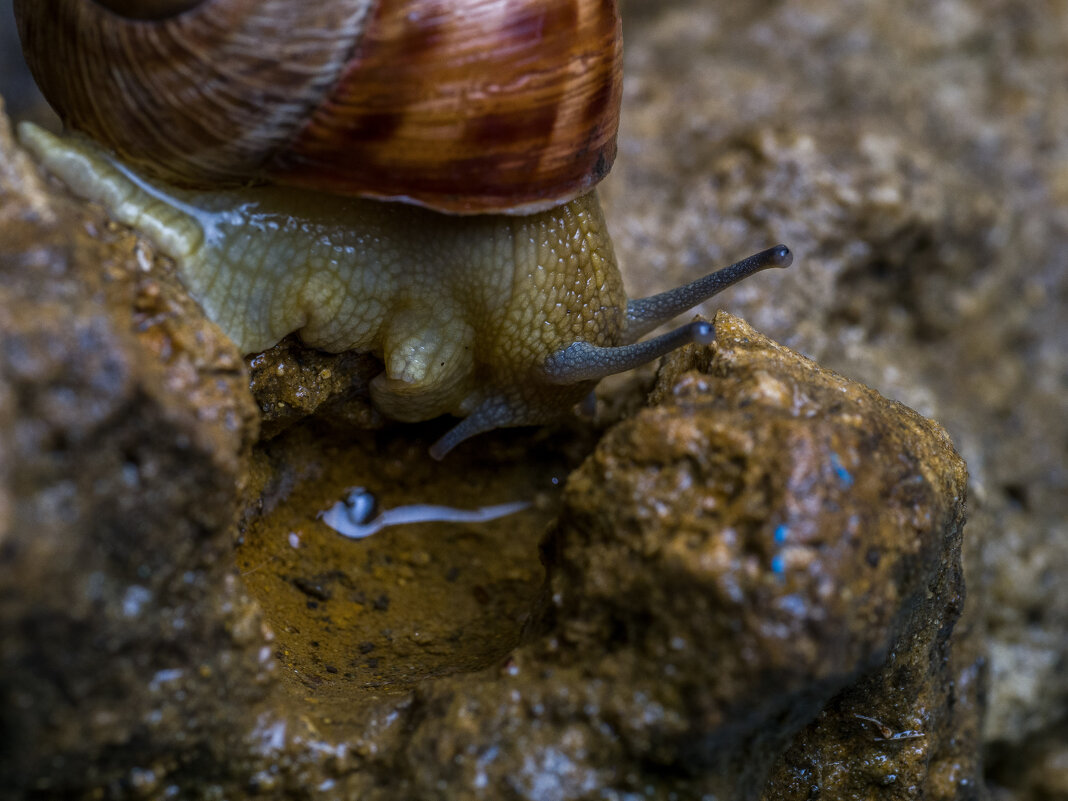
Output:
x,y
292,382
908,730
768,546
738,572
924,196
763,536
125,432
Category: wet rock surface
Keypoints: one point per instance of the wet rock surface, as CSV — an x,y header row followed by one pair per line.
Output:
x,y
761,537
410,602
720,568
291,383
125,432
914,159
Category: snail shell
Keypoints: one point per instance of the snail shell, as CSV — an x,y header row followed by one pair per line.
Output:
x,y
462,106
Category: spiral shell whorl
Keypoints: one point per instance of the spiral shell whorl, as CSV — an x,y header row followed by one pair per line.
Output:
x,y
461,105
203,97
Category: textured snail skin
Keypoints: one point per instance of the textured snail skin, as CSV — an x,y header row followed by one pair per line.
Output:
x,y
463,311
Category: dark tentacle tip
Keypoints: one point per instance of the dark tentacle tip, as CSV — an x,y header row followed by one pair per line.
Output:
x,y
440,448
780,256
702,333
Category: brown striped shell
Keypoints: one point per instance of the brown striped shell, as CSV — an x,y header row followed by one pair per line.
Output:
x,y
464,106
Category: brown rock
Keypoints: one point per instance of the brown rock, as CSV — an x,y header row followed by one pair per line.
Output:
x,y
292,382
914,160
769,545
125,431
765,535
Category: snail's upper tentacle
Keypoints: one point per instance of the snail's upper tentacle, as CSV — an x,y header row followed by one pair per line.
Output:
x,y
645,314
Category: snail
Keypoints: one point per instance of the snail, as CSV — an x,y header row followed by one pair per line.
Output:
x,y
413,178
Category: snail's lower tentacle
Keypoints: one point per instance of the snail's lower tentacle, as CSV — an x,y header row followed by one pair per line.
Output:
x,y
645,314
494,412
585,362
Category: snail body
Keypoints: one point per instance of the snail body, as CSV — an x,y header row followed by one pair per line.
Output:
x,y
451,305
507,316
